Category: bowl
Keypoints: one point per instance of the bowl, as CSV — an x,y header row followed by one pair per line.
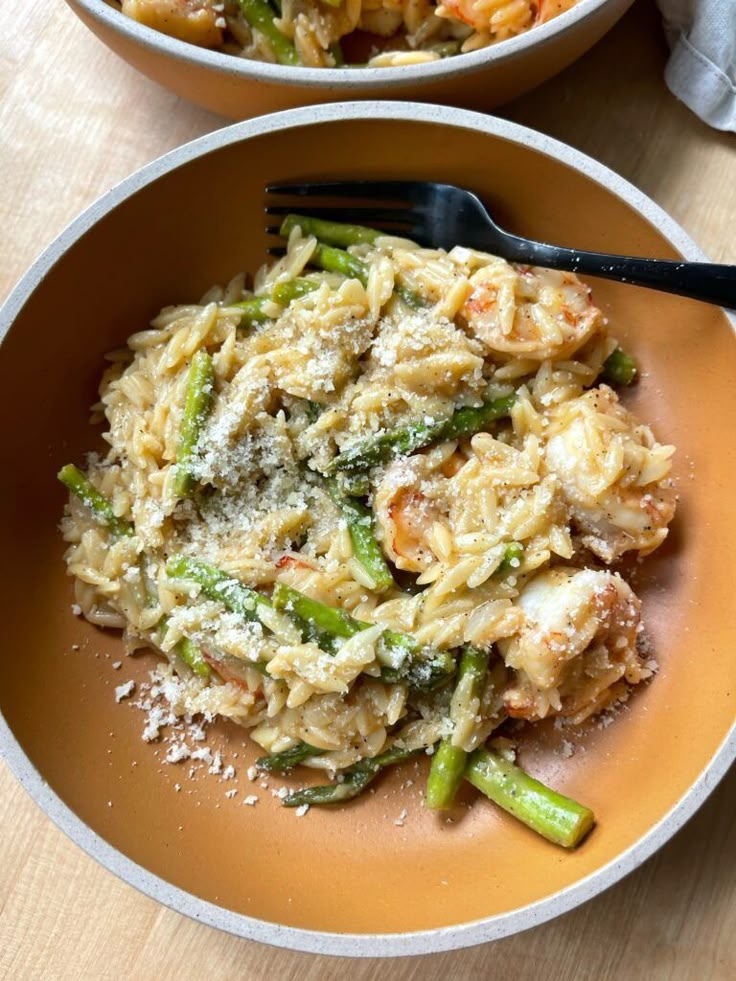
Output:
x,y
352,881
238,88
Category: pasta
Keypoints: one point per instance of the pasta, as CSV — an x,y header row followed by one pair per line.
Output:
x,y
383,470
380,33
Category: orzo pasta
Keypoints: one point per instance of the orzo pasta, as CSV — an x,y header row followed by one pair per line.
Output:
x,y
367,507
330,33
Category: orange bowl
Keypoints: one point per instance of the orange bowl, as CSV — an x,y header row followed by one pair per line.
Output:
x,y
239,88
351,881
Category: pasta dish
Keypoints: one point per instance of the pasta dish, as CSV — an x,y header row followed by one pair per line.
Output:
x,y
370,508
332,33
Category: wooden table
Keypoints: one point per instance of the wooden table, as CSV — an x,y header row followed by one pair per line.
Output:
x,y
75,120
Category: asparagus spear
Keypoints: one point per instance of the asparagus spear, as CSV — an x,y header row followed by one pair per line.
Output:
x,y
253,312
446,48
445,774
355,780
191,655
82,487
557,818
399,442
337,260
292,289
448,762
619,368
260,15
333,237
366,549
187,650
353,484
200,386
511,559
218,585
288,759
330,232
327,622
402,657
411,299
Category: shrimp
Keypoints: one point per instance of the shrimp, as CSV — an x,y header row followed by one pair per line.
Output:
x,y
405,510
579,640
527,312
500,18
549,9
195,21
613,474
233,671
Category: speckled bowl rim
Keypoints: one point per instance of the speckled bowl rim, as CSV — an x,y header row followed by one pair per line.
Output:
x,y
354,79
313,941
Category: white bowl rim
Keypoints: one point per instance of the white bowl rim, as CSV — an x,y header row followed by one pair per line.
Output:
x,y
313,941
333,78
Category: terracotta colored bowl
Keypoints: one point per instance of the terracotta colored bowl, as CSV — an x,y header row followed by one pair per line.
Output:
x,y
351,881
239,89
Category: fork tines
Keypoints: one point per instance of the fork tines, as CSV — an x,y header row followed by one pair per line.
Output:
x,y
374,190
397,220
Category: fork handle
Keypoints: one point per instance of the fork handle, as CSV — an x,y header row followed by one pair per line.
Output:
x,y
705,281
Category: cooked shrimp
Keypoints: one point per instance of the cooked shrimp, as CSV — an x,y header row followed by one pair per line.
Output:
x,y
233,670
578,641
613,474
527,312
405,512
499,18
548,9
195,21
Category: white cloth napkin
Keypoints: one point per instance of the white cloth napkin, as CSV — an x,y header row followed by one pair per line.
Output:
x,y
702,67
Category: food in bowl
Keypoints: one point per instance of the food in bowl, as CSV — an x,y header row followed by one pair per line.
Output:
x,y
331,33
369,508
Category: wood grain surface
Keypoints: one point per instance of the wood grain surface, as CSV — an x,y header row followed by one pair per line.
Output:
x,y
74,120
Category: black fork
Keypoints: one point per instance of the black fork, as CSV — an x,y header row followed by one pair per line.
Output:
x,y
443,216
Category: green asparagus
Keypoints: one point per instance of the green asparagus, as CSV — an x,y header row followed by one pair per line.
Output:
x,y
446,49
366,550
260,15
445,775
186,649
512,558
293,289
191,655
313,410
253,311
448,762
411,299
353,484
619,368
288,759
218,585
327,622
330,232
333,238
200,388
355,779
402,658
338,261
400,442
83,488
557,818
